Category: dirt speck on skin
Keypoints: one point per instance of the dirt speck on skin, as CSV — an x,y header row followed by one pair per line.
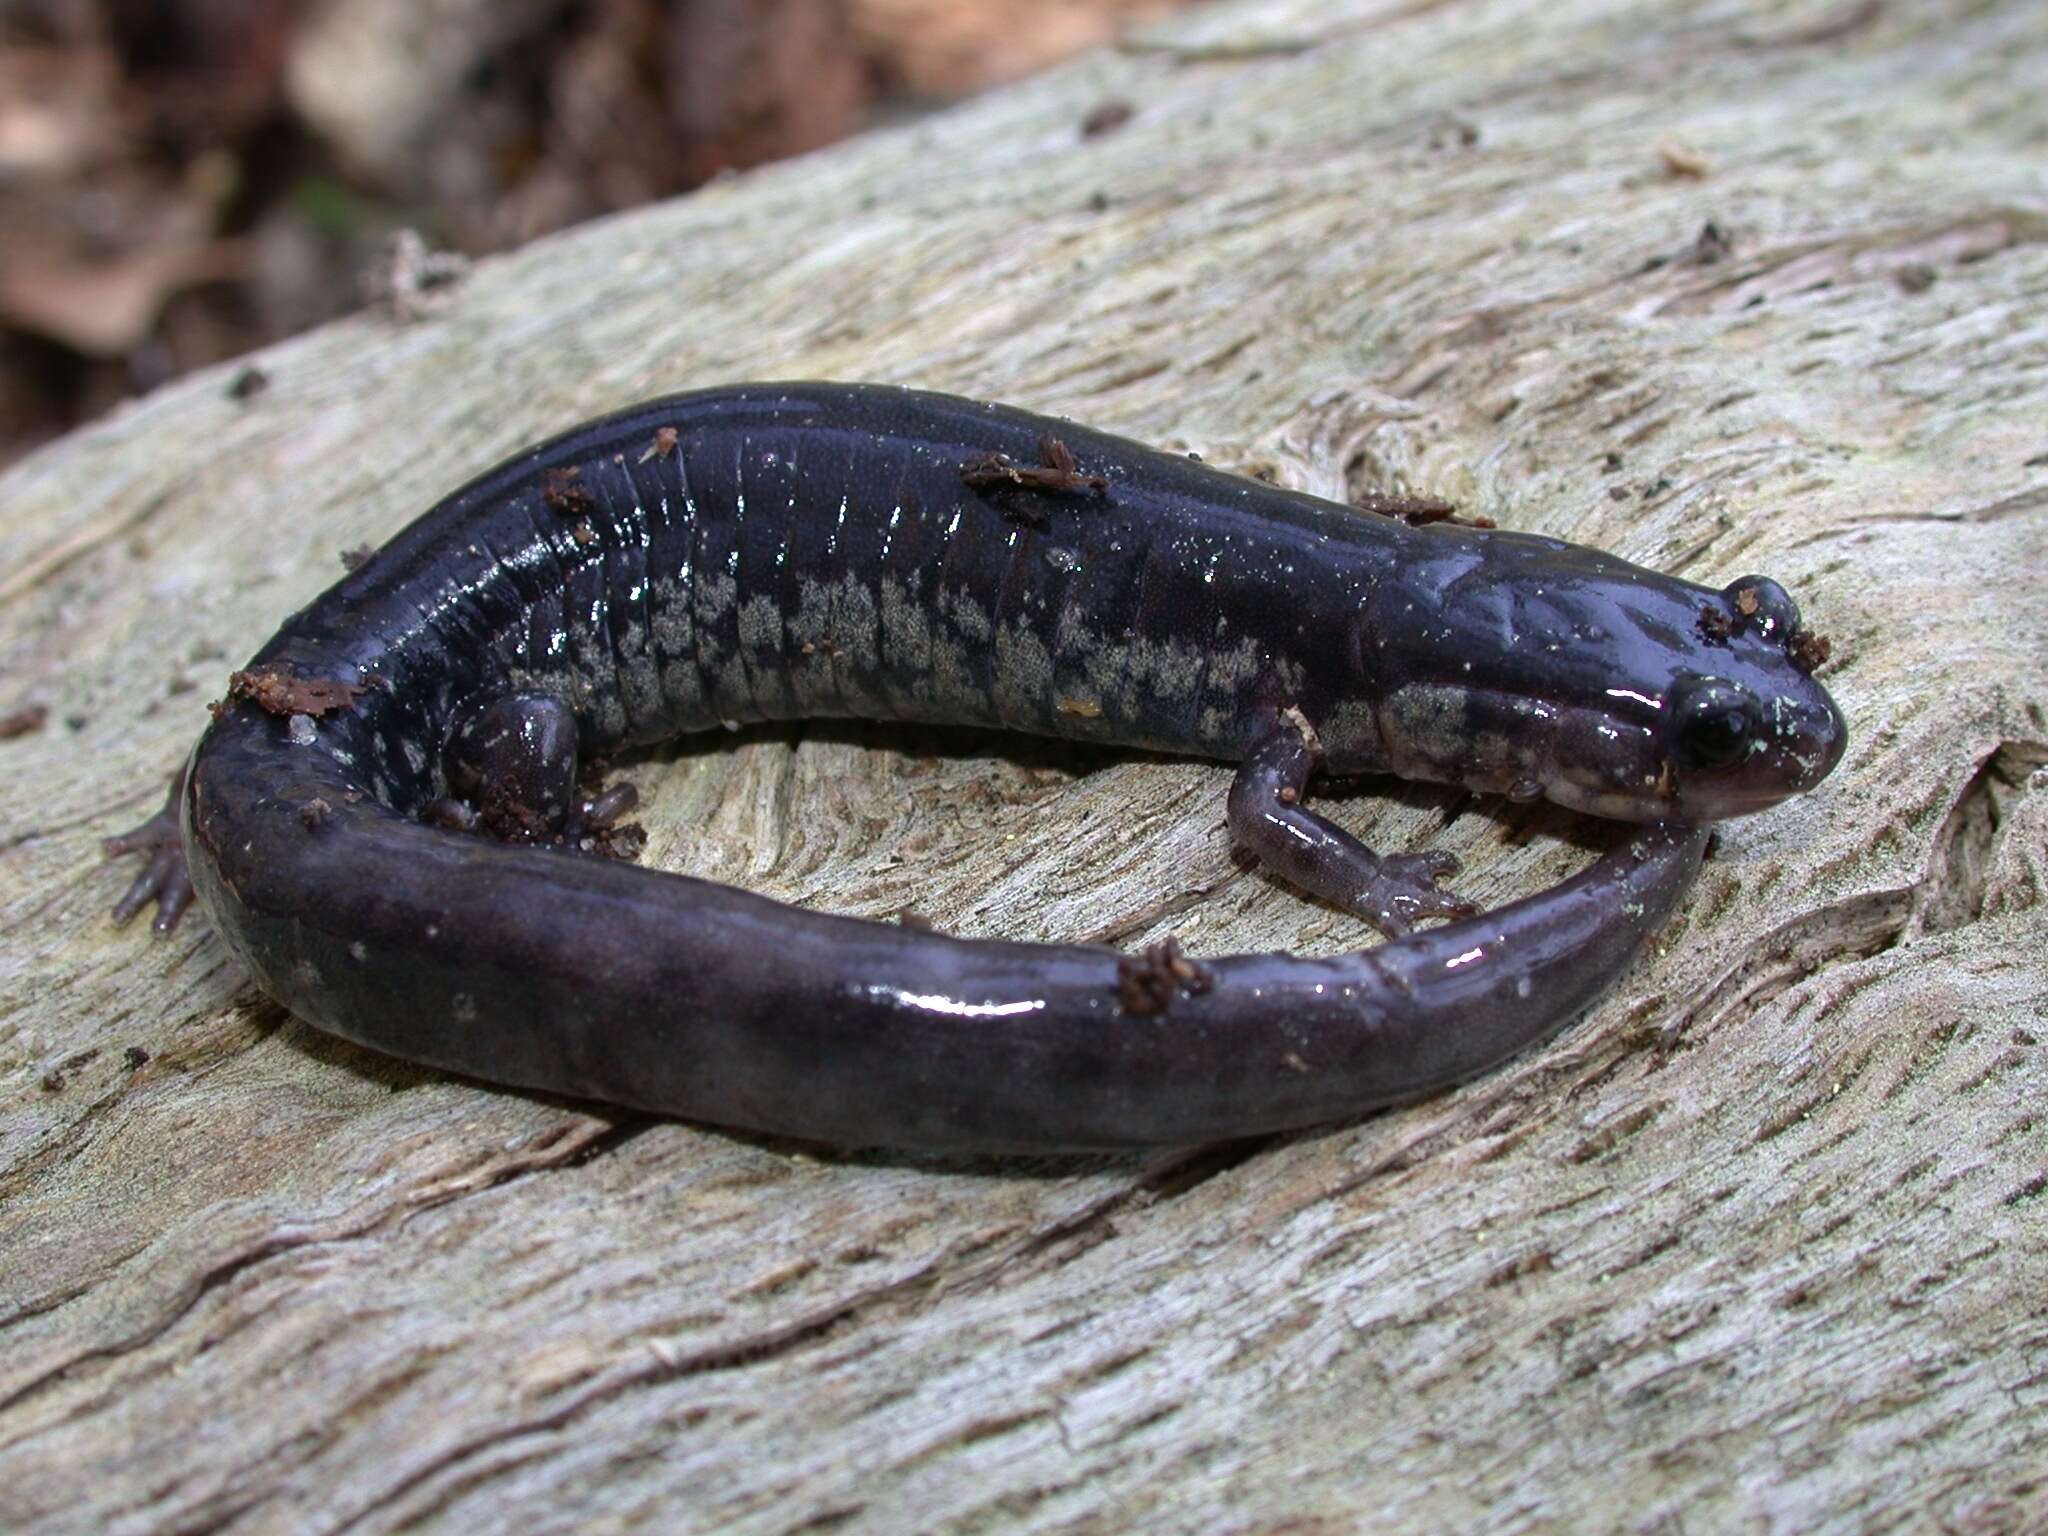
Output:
x,y
356,557
275,688
664,444
564,492
1148,982
624,842
1809,651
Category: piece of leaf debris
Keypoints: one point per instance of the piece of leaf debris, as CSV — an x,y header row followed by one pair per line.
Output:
x,y
1416,511
1107,118
53,1081
1712,244
29,717
411,279
1056,473
274,687
1682,160
249,382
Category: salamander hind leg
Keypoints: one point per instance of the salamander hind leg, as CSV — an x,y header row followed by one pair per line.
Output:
x,y
163,878
1392,892
511,768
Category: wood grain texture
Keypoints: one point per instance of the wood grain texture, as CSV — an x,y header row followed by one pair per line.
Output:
x,y
1760,1245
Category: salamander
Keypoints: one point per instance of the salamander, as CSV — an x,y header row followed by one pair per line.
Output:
x,y
382,820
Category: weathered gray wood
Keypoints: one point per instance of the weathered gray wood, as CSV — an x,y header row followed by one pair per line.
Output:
x,y
1759,1246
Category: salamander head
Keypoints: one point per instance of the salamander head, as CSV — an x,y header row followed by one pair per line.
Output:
x,y
1585,680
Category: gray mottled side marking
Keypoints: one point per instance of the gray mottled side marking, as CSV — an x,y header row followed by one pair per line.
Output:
x,y
927,672
672,589
1430,734
640,686
593,671
1351,736
840,620
714,600
673,634
967,615
1023,688
758,688
765,644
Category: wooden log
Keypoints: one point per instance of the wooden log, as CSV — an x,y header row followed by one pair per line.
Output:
x,y
1759,1245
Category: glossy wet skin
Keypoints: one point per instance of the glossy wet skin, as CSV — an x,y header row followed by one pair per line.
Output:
x,y
794,551
1543,669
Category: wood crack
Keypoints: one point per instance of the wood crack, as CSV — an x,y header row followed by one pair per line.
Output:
x,y
563,1146
1958,868
1170,1178
1949,895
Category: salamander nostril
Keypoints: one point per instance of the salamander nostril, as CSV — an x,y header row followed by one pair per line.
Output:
x,y
1820,737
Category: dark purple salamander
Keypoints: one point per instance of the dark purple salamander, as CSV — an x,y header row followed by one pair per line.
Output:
x,y
785,551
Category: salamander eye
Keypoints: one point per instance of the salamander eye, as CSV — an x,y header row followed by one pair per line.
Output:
x,y
1715,727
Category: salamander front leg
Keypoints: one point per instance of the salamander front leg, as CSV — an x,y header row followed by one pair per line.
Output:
x,y
511,772
1393,892
511,769
164,879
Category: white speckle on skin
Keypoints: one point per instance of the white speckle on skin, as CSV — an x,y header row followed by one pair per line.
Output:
x,y
358,950
301,731
463,1006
